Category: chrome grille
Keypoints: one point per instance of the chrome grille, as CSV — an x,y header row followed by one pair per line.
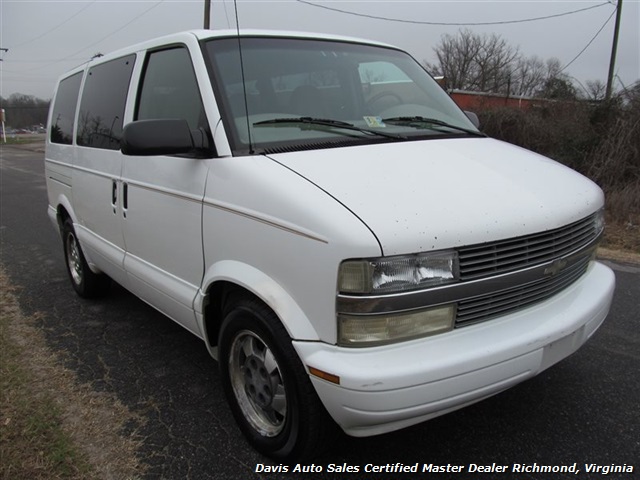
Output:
x,y
500,303
498,278
496,258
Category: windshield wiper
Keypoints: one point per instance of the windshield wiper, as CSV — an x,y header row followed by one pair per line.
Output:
x,y
424,122
325,122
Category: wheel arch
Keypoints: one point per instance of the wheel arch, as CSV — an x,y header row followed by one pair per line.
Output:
x,y
61,211
232,277
59,214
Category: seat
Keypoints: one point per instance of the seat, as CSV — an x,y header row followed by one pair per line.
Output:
x,y
308,101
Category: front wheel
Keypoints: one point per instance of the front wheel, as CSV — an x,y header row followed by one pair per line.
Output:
x,y
267,388
86,283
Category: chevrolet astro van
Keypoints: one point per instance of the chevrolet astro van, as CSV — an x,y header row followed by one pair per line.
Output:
x,y
348,245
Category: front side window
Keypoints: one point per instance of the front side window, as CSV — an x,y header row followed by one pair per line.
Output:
x,y
170,89
64,110
293,94
104,97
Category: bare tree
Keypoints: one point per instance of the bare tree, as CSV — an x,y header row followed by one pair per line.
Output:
x,y
530,75
487,63
25,110
554,68
471,61
557,85
596,90
496,64
456,59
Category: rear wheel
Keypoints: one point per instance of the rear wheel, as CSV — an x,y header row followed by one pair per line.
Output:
x,y
86,283
267,388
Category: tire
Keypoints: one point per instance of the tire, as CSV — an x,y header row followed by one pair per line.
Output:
x,y
86,283
268,390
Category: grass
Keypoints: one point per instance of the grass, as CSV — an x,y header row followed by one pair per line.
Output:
x,y
20,140
51,427
33,443
622,236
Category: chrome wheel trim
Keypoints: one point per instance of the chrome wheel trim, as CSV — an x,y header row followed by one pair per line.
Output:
x,y
257,383
74,261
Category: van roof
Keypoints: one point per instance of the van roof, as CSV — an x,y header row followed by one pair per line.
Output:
x,y
205,34
209,34
201,34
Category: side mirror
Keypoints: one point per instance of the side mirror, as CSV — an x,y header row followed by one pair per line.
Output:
x,y
157,137
474,118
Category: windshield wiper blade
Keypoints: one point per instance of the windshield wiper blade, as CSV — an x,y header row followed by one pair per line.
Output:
x,y
424,121
326,122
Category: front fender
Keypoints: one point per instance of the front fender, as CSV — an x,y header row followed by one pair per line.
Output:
x,y
262,286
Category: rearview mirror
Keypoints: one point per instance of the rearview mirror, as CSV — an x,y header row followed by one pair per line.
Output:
x,y
473,117
157,137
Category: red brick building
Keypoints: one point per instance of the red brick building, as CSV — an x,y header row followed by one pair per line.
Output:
x,y
476,101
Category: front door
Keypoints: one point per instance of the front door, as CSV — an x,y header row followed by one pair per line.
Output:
x,y
162,195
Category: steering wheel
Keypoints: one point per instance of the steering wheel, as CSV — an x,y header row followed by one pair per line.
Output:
x,y
397,100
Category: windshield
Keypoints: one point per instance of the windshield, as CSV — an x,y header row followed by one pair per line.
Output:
x,y
292,93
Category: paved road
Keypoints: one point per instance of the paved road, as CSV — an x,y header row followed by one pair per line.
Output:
x,y
584,410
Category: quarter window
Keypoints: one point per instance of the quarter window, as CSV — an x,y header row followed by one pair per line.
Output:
x,y
103,101
64,110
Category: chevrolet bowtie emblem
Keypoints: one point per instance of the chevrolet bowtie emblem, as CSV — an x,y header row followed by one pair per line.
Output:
x,y
556,267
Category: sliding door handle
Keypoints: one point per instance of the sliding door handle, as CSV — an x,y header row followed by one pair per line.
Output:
x,y
125,198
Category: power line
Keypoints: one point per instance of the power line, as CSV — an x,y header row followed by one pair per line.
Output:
x,y
69,57
56,27
454,24
45,60
117,30
28,107
590,42
224,4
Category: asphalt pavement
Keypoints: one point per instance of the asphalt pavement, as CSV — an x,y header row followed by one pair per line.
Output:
x,y
582,411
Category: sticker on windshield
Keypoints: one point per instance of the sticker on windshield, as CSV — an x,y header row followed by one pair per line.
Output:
x,y
374,121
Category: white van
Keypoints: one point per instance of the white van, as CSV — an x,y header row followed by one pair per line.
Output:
x,y
338,232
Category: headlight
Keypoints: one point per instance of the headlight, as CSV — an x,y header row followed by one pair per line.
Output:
x,y
371,330
398,274
598,221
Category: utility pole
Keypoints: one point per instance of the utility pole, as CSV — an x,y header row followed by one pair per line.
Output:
x,y
2,115
614,49
207,13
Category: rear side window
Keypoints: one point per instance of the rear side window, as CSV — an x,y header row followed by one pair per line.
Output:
x,y
103,101
64,109
169,89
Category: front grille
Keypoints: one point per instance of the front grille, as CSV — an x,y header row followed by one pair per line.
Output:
x,y
485,307
496,258
498,278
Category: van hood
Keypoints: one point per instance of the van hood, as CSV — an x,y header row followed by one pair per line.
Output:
x,y
438,194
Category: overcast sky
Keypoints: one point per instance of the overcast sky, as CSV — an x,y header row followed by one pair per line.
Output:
x,y
45,38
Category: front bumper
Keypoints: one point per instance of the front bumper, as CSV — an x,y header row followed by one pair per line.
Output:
x,y
394,386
